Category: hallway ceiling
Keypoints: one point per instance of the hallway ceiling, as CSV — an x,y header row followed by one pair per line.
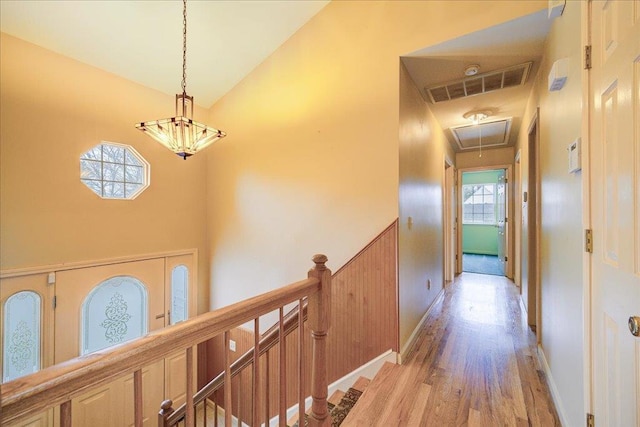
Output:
x,y
142,40
509,44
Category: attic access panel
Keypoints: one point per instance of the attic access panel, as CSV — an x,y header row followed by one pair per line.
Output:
x,y
493,134
482,83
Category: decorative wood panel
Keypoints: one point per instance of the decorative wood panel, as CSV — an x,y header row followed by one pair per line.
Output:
x,y
636,180
364,324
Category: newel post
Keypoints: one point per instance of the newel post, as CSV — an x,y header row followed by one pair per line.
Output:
x,y
319,315
165,411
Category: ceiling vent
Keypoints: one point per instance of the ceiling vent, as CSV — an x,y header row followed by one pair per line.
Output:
x,y
492,134
480,83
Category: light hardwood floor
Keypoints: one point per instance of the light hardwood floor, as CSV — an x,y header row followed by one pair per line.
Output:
x,y
474,364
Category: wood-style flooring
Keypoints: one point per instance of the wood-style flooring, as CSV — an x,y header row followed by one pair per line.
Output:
x,y
474,364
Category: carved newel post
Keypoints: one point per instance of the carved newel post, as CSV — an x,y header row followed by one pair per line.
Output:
x,y
319,315
165,411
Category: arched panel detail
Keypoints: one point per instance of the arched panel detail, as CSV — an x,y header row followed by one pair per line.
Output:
x,y
179,294
115,311
21,345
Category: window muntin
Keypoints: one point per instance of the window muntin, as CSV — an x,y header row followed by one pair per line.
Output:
x,y
21,352
479,204
114,171
115,311
179,294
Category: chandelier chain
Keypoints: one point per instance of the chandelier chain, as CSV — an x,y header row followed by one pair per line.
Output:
x,y
184,46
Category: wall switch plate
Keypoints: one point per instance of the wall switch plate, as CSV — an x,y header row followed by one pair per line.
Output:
x,y
232,345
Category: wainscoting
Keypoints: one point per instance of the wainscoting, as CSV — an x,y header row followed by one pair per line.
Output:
x,y
364,324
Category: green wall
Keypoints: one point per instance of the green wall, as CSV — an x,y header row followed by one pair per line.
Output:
x,y
478,238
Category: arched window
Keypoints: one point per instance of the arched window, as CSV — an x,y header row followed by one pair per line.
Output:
x,y
114,311
21,352
179,294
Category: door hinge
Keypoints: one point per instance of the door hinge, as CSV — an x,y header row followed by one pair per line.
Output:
x,y
587,57
54,302
506,220
591,422
506,259
588,241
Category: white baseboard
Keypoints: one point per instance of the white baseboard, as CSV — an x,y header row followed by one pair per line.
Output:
x,y
368,370
555,395
407,346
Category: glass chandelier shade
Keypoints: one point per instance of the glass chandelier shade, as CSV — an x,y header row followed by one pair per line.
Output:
x,y
181,134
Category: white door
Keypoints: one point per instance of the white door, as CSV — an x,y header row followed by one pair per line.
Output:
x,y
615,210
501,215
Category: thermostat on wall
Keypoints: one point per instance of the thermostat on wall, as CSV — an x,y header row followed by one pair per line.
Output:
x,y
575,155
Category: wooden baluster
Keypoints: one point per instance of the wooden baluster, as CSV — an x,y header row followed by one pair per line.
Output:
x,y
227,381
215,409
65,414
239,417
165,411
266,389
282,407
189,414
319,310
301,394
204,411
256,373
137,398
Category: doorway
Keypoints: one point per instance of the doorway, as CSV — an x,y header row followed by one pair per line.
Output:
x,y
484,202
530,240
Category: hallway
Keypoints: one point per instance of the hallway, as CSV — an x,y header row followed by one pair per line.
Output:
x,y
474,363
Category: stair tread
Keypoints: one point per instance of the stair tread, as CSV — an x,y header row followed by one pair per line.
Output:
x,y
361,383
375,394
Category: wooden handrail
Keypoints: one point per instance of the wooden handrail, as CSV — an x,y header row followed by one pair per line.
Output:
x,y
53,386
269,340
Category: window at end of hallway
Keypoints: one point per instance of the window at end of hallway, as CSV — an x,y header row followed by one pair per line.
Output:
x,y
479,204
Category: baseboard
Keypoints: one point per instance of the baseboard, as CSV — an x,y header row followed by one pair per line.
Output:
x,y
368,370
411,341
555,395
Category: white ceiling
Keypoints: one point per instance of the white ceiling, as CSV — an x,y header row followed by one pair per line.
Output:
x,y
142,40
512,43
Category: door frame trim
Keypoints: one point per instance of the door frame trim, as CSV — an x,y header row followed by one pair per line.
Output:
x,y
27,271
508,268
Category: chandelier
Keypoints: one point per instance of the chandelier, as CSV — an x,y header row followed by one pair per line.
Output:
x,y
181,134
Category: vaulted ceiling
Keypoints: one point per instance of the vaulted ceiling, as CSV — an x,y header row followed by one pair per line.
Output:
x,y
142,40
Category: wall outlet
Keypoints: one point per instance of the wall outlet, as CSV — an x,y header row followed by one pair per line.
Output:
x,y
232,345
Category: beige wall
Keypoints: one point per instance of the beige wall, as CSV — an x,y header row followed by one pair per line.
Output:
x,y
310,163
423,147
53,110
562,326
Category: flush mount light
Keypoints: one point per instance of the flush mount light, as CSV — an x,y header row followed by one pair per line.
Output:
x,y
476,116
472,70
181,134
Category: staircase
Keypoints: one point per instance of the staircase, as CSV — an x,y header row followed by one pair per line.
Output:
x,y
340,403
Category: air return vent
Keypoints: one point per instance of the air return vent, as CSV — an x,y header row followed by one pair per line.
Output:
x,y
481,83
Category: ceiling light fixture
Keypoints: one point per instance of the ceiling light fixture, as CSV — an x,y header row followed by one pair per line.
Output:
x,y
181,134
471,70
476,116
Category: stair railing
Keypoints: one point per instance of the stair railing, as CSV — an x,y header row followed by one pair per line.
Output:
x,y
57,385
271,337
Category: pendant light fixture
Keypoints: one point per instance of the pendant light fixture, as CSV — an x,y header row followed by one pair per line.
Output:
x,y
181,134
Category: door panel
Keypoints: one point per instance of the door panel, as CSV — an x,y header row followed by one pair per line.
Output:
x,y
615,132
501,206
110,404
35,283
